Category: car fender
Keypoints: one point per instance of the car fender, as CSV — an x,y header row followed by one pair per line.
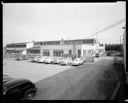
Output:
x,y
13,93
31,89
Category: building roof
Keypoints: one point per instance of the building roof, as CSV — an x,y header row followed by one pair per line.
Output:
x,y
65,40
51,41
18,43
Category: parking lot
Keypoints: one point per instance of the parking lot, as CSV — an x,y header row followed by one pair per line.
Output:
x,y
95,81
30,70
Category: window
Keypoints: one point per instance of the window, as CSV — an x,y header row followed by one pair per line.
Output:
x,y
79,53
57,53
70,53
33,51
46,53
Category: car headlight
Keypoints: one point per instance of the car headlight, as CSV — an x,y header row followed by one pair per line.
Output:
x,y
4,90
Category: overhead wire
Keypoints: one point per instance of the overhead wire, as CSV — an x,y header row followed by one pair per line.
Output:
x,y
107,28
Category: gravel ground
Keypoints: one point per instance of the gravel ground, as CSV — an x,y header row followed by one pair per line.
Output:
x,y
29,70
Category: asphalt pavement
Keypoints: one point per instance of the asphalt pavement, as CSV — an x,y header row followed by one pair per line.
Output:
x,y
86,82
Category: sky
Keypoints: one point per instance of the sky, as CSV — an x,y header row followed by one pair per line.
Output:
x,y
24,22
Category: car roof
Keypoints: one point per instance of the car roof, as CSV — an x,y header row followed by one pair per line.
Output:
x,y
13,82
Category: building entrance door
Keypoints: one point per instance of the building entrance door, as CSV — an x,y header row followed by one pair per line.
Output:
x,y
79,53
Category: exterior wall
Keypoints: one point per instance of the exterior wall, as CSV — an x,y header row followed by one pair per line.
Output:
x,y
90,50
20,49
31,54
86,48
65,48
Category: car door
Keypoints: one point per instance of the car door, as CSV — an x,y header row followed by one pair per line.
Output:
x,y
13,93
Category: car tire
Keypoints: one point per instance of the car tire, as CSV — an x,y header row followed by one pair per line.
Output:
x,y
29,94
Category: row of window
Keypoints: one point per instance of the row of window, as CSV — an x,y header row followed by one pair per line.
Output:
x,y
90,41
17,46
58,53
46,53
48,43
33,51
13,51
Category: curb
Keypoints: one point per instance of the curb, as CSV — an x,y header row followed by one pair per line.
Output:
x,y
115,91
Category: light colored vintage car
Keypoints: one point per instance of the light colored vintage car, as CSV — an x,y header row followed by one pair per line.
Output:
x,y
49,60
41,59
66,61
78,61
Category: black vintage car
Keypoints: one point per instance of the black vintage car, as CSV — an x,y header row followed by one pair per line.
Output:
x,y
18,89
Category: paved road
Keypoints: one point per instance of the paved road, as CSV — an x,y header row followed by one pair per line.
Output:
x,y
87,82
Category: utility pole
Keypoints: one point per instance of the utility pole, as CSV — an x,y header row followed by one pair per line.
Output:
x,y
124,48
96,34
120,43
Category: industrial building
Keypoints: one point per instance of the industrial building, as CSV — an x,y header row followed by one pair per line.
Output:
x,y
60,48
18,47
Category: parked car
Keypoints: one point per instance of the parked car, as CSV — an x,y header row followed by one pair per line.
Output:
x,y
41,59
56,60
78,61
66,61
35,59
18,58
24,57
49,60
18,89
21,57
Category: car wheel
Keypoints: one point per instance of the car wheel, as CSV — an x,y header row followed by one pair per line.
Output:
x,y
30,93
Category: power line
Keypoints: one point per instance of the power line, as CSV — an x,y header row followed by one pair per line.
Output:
x,y
108,27
115,36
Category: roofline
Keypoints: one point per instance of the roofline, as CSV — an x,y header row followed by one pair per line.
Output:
x,y
49,41
18,43
64,40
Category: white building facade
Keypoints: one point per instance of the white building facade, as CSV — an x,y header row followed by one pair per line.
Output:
x,y
81,48
73,49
